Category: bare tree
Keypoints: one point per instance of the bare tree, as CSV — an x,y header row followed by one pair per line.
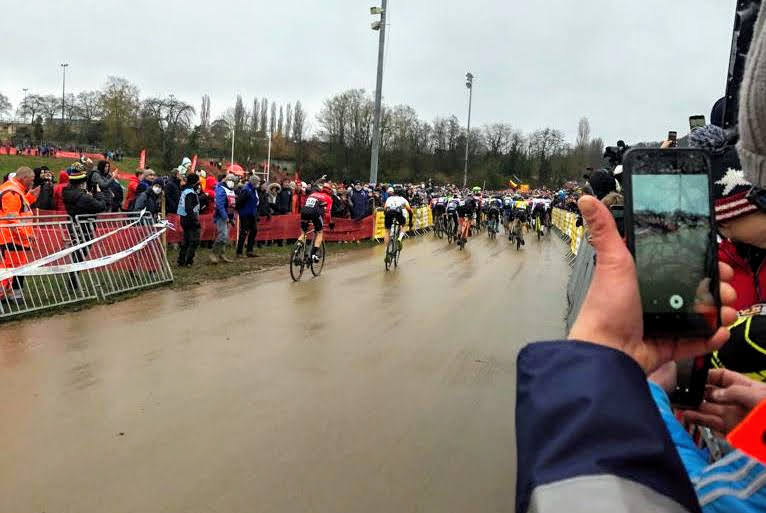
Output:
x,y
171,119
583,134
299,121
497,138
264,114
205,112
5,105
281,122
254,116
273,118
289,121
239,115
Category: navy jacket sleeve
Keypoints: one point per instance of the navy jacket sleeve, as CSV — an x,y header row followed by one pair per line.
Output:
x,y
587,428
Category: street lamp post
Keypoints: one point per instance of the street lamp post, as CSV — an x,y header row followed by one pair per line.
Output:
x,y
469,85
63,92
381,27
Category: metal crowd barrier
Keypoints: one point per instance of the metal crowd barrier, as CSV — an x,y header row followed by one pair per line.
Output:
x,y
50,261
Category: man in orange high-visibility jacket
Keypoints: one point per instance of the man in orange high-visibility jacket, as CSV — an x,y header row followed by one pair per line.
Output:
x,y
15,200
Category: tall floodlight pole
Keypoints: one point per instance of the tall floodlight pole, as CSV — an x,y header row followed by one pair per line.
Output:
x,y
381,27
469,85
63,92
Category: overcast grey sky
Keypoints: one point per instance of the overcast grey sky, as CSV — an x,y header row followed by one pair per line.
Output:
x,y
635,68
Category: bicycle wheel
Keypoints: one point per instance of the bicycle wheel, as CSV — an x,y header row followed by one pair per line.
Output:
x,y
297,261
316,267
538,228
450,231
396,255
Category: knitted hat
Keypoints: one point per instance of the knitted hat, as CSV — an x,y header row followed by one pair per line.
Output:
x,y
77,176
752,106
730,187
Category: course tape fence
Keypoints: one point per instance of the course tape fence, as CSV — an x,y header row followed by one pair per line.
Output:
x,y
582,259
52,260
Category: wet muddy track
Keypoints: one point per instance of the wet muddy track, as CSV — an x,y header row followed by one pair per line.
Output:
x,y
359,391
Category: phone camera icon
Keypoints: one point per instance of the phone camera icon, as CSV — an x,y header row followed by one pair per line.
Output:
x,y
676,302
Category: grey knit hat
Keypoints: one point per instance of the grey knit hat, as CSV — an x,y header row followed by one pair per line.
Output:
x,y
752,106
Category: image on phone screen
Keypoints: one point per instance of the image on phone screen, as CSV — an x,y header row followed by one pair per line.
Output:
x,y
673,242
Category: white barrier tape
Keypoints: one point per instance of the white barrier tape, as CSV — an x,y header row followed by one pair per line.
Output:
x,y
90,264
24,270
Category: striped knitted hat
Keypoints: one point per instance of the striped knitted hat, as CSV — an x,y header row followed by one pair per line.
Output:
x,y
730,187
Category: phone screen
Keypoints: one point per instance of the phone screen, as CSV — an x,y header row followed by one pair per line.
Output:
x,y
696,122
671,234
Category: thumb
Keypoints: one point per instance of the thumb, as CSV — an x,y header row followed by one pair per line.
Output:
x,y
605,238
736,394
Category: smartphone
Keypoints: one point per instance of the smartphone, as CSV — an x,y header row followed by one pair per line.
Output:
x,y
670,230
690,384
673,136
696,122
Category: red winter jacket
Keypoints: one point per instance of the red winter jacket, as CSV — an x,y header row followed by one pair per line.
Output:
x,y
58,189
750,290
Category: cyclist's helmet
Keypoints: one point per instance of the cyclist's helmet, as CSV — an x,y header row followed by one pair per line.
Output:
x,y
398,190
390,190
327,189
477,190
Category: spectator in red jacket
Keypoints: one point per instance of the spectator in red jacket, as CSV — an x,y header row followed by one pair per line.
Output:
x,y
739,220
58,189
130,196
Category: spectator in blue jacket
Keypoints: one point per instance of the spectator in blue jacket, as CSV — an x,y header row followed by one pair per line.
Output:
x,y
589,436
247,207
360,201
223,217
735,482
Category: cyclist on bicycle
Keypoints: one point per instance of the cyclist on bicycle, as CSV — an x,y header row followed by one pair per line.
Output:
x,y
479,204
538,209
452,207
439,206
465,211
394,209
520,218
507,212
493,210
318,205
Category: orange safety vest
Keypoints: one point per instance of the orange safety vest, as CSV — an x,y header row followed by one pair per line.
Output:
x,y
14,203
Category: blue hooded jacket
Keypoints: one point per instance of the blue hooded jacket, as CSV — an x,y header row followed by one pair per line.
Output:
x,y
249,196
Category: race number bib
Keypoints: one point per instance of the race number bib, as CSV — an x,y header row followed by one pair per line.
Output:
x,y
311,202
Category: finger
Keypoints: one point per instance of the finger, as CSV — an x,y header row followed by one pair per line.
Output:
x,y
728,316
725,272
605,238
735,394
691,348
711,421
728,294
722,378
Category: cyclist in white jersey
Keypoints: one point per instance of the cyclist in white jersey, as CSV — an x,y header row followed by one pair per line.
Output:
x,y
394,209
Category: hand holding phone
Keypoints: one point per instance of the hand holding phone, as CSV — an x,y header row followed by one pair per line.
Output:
x,y
611,315
670,229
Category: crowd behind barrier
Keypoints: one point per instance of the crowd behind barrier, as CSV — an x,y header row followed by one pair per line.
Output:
x,y
34,152
50,260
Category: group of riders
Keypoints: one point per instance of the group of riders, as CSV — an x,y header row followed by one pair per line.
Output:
x,y
456,213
